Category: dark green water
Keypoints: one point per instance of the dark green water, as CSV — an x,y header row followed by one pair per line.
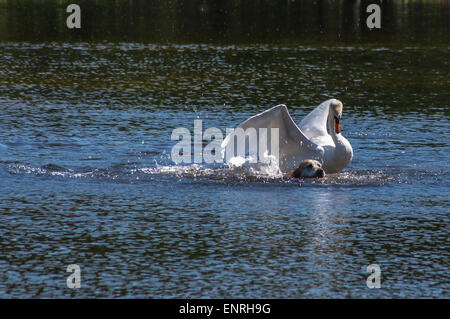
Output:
x,y
227,21
86,177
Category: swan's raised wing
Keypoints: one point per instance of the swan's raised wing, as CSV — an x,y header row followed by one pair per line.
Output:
x,y
314,125
293,145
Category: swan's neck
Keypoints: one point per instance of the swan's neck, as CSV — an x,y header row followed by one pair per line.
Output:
x,y
342,146
337,137
343,152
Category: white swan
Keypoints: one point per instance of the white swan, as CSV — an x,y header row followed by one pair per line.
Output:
x,y
309,140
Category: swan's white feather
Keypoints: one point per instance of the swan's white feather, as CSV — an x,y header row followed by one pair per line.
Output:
x,y
294,145
314,125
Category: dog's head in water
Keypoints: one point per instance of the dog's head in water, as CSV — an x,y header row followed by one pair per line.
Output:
x,y
307,168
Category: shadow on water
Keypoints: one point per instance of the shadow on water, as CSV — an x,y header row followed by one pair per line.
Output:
x,y
84,82
200,21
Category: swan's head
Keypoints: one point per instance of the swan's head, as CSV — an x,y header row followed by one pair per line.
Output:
x,y
336,111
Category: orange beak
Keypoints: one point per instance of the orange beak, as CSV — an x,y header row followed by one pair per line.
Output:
x,y
337,125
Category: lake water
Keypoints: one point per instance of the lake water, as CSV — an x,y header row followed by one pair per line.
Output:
x,y
86,176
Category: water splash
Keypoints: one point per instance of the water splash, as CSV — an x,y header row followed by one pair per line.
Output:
x,y
266,167
240,171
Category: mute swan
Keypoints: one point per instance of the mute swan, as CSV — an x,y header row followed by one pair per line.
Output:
x,y
309,140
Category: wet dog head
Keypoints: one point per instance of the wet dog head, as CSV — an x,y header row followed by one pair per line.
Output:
x,y
308,168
